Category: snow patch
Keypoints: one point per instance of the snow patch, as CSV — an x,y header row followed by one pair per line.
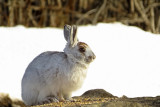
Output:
x,y
127,58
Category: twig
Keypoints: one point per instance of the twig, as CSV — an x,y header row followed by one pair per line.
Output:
x,y
99,11
44,13
11,13
132,5
140,9
31,17
48,7
132,21
152,20
83,4
158,26
59,4
21,6
0,15
85,16
152,6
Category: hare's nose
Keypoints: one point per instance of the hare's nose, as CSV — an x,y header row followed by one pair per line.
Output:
x,y
92,57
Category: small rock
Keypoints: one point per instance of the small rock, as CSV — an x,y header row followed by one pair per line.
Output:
x,y
98,93
123,97
5,100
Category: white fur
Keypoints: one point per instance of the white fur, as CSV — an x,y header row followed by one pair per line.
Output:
x,y
56,74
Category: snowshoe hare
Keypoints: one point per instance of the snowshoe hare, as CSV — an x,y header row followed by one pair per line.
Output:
x,y
53,76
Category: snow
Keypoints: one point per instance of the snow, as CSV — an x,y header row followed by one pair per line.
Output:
x,y
127,58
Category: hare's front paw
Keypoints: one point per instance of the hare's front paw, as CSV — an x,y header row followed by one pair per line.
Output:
x,y
70,99
49,99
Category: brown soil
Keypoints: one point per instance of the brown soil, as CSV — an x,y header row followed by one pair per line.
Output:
x,y
91,98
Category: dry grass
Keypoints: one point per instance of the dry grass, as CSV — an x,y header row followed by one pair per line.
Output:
x,y
86,100
6,101
78,102
90,97
55,13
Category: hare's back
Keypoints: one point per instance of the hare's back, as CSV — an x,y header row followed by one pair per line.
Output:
x,y
51,55
47,60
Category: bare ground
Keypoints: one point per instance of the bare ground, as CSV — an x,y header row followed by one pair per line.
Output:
x,y
91,98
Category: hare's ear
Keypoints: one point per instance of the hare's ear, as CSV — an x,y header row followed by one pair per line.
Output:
x,y
67,32
70,35
73,36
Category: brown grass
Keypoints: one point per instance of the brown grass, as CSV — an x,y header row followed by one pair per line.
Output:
x,y
56,13
6,101
78,102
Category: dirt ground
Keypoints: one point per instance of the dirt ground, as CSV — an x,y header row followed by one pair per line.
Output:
x,y
91,98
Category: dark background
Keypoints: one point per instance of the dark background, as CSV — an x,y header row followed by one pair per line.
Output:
x,y
56,13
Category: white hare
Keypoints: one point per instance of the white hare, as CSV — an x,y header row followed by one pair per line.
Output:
x,y
53,76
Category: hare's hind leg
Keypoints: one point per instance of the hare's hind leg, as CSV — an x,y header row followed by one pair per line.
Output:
x,y
29,96
68,97
48,99
60,96
45,97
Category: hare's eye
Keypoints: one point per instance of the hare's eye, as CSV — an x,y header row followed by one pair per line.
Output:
x,y
82,49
